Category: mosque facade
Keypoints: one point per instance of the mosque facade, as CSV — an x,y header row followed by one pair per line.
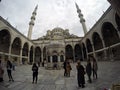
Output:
x,y
102,41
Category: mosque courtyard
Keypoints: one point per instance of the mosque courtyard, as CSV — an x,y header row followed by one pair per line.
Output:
x,y
108,74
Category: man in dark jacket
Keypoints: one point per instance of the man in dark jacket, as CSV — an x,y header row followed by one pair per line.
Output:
x,y
80,75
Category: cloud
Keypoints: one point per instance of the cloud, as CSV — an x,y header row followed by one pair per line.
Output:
x,y
52,13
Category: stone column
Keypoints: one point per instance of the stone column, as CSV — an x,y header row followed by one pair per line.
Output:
x,y
10,50
104,47
51,59
21,56
28,56
73,55
59,58
33,55
93,50
86,51
64,57
42,56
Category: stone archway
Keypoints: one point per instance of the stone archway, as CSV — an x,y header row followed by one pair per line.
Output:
x,y
16,46
111,37
37,54
25,53
54,58
78,52
97,42
109,34
69,52
89,46
5,40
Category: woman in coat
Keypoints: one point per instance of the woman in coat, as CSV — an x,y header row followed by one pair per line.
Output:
x,y
68,69
9,70
80,75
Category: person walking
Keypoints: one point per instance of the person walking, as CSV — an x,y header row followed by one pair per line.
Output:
x,y
1,72
9,70
68,69
80,75
64,66
35,72
89,70
95,68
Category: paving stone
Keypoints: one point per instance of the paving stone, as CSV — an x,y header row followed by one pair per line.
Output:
x,y
108,74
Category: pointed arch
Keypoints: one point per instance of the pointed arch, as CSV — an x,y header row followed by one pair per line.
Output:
x,y
97,41
5,39
55,58
25,49
109,34
78,52
89,45
16,46
69,52
37,54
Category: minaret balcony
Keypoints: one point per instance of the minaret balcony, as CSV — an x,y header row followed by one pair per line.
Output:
x,y
33,17
31,23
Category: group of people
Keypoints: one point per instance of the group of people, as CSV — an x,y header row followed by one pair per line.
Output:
x,y
9,68
90,68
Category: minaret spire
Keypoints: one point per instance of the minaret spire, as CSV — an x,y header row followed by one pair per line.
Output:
x,y
31,23
82,20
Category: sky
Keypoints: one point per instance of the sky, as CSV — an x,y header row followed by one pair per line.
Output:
x,y
52,14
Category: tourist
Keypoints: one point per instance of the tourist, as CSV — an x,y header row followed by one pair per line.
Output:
x,y
95,68
80,75
9,70
35,72
89,70
1,71
68,69
64,66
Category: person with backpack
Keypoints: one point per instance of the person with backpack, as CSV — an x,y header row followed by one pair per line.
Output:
x,y
9,70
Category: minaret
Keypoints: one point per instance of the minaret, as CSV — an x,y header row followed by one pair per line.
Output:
x,y
31,23
82,20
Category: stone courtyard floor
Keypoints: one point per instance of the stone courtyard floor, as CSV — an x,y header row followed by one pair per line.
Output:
x,y
108,74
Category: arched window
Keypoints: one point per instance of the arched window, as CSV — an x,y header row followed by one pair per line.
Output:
x,y
109,34
97,42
